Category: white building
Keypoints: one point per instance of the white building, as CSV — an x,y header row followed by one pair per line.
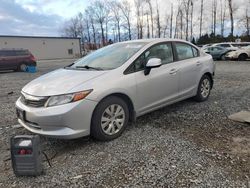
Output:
x,y
44,47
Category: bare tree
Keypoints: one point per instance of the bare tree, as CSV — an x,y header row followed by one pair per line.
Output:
x,y
192,13
179,22
148,32
126,11
214,12
171,21
70,28
87,25
247,21
89,15
187,4
166,25
99,11
158,19
115,7
151,16
230,7
201,17
222,16
138,5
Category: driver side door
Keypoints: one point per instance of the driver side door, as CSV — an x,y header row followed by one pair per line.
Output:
x,y
161,85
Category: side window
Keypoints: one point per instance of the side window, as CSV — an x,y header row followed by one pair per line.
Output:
x,y
217,49
195,52
9,53
225,45
184,51
162,51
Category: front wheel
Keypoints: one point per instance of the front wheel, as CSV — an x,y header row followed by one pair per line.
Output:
x,y
110,118
204,89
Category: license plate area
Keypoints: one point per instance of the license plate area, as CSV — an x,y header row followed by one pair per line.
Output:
x,y
20,114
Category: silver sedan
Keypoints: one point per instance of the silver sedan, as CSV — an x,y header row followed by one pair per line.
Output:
x,y
99,94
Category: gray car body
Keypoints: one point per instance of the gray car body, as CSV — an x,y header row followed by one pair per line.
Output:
x,y
165,85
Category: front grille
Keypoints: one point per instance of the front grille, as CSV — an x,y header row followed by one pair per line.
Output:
x,y
33,101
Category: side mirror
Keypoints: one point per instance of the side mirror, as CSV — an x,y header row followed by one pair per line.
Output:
x,y
152,63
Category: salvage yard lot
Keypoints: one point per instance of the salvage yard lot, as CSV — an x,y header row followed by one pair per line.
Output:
x,y
185,144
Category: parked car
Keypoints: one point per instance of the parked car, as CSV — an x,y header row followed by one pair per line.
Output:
x,y
232,45
242,54
218,53
16,59
99,94
226,45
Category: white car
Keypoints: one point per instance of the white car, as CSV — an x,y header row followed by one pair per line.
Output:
x,y
98,94
227,45
241,54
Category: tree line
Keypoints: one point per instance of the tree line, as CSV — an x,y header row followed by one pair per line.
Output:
x,y
106,21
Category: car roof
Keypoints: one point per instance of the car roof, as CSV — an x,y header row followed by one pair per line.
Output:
x,y
155,40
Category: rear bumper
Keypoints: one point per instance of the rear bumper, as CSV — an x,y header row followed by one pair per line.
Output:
x,y
67,121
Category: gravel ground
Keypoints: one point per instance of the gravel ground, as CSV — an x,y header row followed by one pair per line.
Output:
x,y
187,144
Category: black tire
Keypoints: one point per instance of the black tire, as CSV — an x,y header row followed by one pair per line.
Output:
x,y
22,67
223,57
199,95
242,57
96,130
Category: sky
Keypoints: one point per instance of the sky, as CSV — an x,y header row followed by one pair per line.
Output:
x,y
47,17
37,17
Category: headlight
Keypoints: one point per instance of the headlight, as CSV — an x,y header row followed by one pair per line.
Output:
x,y
67,98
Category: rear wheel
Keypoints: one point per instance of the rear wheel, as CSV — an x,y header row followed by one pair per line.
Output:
x,y
22,67
242,57
223,57
204,89
110,118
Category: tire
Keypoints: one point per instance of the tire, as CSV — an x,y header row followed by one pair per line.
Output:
x,y
204,89
105,125
223,57
22,67
242,57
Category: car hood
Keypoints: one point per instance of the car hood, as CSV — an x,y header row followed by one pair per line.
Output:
x,y
59,82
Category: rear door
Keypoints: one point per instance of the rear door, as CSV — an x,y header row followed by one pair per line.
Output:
x,y
190,64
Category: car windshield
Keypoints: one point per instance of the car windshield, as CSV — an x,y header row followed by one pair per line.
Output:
x,y
109,57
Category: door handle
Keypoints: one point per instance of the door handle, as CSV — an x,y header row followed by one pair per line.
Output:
x,y
198,63
173,71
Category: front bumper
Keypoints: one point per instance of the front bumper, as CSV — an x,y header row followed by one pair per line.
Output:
x,y
231,56
67,121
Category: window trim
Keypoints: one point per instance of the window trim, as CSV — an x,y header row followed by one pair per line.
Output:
x,y
127,70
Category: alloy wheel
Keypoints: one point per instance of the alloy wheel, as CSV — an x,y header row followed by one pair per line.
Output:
x,y
112,119
205,88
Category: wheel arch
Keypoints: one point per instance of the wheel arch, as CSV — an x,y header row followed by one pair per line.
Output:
x,y
127,99
211,78
245,54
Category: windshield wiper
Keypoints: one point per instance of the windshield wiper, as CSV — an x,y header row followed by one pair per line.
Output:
x,y
89,67
68,66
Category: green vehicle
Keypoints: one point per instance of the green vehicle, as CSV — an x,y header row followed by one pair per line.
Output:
x,y
218,53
